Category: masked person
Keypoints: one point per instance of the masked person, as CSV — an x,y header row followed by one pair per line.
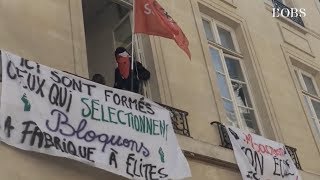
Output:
x,y
123,72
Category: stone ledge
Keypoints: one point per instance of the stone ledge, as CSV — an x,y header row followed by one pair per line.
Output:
x,y
210,153
230,3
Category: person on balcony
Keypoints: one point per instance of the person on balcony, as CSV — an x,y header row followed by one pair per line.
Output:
x,y
123,76
98,78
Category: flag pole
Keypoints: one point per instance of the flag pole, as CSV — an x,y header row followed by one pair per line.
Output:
x,y
132,44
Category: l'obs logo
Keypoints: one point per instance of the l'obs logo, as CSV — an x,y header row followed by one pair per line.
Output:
x,y
289,12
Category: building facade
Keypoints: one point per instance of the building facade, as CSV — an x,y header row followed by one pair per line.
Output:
x,y
248,69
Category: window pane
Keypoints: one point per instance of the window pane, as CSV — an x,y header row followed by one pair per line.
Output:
x,y
234,69
223,86
241,94
248,117
296,73
122,34
216,59
309,84
226,38
316,107
208,30
308,107
317,124
231,115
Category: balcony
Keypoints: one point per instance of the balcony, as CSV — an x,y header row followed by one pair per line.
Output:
x,y
286,12
226,143
179,120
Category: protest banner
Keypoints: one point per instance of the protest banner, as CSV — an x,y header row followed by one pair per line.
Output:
x,y
259,158
48,111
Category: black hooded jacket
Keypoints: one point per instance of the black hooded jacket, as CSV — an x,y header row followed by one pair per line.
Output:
x,y
139,74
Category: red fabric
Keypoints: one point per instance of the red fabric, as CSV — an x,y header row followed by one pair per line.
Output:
x,y
124,66
152,19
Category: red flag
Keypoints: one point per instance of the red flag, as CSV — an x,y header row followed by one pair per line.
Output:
x,y
150,18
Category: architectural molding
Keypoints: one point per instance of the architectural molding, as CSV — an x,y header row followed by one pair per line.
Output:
x,y
78,38
289,55
291,37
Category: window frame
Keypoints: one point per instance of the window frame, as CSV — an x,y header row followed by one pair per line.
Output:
x,y
120,23
225,52
252,100
212,29
233,35
308,97
214,24
303,84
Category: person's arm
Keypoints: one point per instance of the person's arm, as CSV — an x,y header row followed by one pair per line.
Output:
x,y
142,72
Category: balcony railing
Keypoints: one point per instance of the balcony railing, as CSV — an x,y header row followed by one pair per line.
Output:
x,y
286,12
179,120
293,153
226,143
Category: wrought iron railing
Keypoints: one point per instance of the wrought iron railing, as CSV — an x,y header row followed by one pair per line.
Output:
x,y
179,120
286,12
178,117
293,153
224,137
226,143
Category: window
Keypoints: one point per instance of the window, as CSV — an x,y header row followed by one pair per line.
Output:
x,y
318,5
225,38
219,33
108,25
311,97
208,30
231,77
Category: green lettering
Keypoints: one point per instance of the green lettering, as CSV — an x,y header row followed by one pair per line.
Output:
x,y
102,114
162,127
154,127
84,114
94,102
149,125
142,124
119,119
111,113
136,123
129,118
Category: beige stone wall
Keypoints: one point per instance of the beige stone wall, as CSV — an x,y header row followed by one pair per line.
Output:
x,y
52,32
204,171
21,165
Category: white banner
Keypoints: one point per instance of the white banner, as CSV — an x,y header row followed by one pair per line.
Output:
x,y
259,158
48,111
